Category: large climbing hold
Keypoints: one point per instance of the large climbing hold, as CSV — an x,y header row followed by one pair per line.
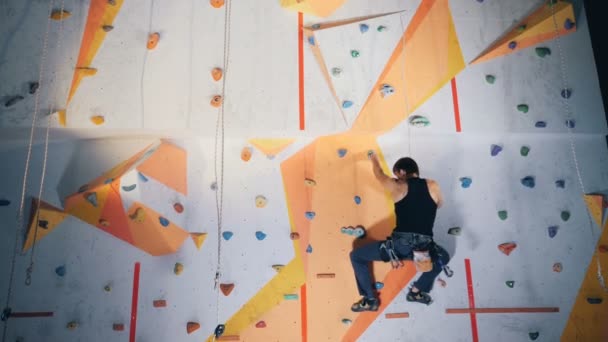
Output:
x,y
153,39
226,288
192,327
318,8
13,100
507,247
60,14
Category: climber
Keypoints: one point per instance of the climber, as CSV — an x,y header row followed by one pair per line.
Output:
x,y
416,202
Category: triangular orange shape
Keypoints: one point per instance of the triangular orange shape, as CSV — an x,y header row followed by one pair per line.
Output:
x,y
198,239
48,219
594,205
271,147
226,288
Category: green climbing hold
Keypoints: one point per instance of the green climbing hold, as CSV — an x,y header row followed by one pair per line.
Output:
x,y
502,214
346,321
523,108
543,52
382,28
354,53
290,296
521,28
565,215
524,150
490,79
419,121
510,283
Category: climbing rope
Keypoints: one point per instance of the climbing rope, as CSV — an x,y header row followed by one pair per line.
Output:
x,y
568,112
219,181
20,215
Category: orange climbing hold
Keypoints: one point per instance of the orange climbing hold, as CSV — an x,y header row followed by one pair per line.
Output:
x,y
226,288
153,39
159,303
294,236
216,3
179,208
61,117
216,101
217,74
192,327
86,71
98,120
246,153
60,14
507,248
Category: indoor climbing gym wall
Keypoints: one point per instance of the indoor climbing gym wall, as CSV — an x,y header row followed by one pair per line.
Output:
x,y
199,170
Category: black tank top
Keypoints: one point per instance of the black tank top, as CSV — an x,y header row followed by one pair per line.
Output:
x,y
417,210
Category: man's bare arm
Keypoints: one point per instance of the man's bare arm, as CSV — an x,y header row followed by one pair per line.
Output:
x,y
386,181
436,191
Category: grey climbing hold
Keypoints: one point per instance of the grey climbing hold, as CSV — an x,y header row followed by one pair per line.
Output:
x,y
346,321
495,150
310,215
560,183
534,335
336,72
503,214
524,150
594,300
552,230
490,79
528,182
309,249
107,288
359,232
386,90
521,28
540,124
142,177
44,224
34,87
543,52
465,182
227,235
316,26
510,283
13,101
60,270
108,181
363,28
260,235
128,188
92,198
524,108
107,28
213,186
512,45
566,93
569,24
163,221
455,231
382,28
570,123
565,215
342,152
357,200
347,104
4,202
354,53
419,121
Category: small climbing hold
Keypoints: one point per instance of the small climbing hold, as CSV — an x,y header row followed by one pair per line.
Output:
x,y
142,177
4,202
347,104
216,101
359,231
178,268
363,28
118,327
213,186
528,182
382,28
552,230
153,39
594,300
72,325
386,90
290,296
557,267
60,270
107,28
326,275
342,152
260,235
495,150
490,79
465,182
260,201
219,330
309,182
159,303
311,40
260,324
92,198
278,268
507,247
524,108
216,3
98,119
354,53
217,74
512,45
178,207
336,72
163,221
560,183
128,188
104,222
570,123
84,71
533,335
107,288
503,214
419,121
521,28
316,26
346,321
34,87
309,249
357,200
569,24
138,215
524,150
603,248
510,283
378,285
565,215
60,14
192,327
43,224
13,101
540,124
566,93
455,231
543,52
226,288
310,215
246,153
294,236
227,235
108,181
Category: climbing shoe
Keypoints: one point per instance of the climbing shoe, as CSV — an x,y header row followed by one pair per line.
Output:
x,y
419,297
366,304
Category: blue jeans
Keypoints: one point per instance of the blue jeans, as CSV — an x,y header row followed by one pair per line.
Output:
x,y
404,245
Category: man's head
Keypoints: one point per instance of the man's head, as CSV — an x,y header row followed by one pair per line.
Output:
x,y
405,168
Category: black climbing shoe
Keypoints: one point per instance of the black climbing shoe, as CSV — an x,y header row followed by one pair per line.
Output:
x,y
366,304
419,297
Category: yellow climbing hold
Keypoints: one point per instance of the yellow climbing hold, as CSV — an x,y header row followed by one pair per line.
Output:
x,y
86,71
98,119
198,239
260,201
60,14
61,117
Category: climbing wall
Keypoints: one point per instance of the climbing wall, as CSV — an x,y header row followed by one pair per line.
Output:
x,y
143,219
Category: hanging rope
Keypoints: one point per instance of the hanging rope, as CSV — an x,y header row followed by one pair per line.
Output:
x,y
407,104
568,112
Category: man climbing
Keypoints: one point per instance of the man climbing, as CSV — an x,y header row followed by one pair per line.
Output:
x,y
416,202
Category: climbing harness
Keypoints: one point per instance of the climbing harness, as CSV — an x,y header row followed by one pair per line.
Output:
x,y
569,126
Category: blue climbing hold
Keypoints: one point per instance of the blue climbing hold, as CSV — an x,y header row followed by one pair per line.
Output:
x,y
569,24
528,181
342,152
540,124
357,200
163,221
566,93
227,235
309,249
260,235
465,182
142,177
60,271
129,187
378,285
4,202
363,28
560,183
512,45
552,231
347,104
495,150
310,215
570,123
311,40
